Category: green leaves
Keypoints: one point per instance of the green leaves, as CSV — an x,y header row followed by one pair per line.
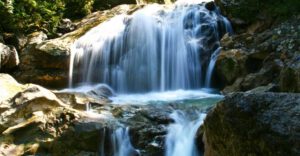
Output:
x,y
30,15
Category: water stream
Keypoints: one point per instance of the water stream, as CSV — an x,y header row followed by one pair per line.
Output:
x,y
180,139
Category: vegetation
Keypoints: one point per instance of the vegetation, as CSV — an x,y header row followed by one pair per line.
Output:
x,y
29,15
26,16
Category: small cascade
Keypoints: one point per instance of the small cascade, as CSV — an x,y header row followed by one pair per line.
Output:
x,y
211,67
88,107
157,48
180,139
118,143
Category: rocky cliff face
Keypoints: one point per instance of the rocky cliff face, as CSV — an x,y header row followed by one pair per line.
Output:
x,y
251,60
261,58
254,124
256,15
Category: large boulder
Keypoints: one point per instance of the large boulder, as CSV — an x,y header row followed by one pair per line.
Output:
x,y
249,60
254,124
34,121
18,101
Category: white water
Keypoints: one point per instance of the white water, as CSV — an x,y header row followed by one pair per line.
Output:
x,y
180,140
168,96
120,144
158,48
211,67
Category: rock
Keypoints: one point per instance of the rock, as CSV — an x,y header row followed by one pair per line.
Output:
x,y
235,87
266,55
210,6
230,65
9,57
254,124
268,88
9,87
290,77
19,102
256,15
101,91
36,37
45,64
80,101
66,26
80,137
267,74
33,121
17,40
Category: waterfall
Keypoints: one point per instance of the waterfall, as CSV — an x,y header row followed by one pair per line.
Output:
x,y
157,48
120,144
211,66
180,139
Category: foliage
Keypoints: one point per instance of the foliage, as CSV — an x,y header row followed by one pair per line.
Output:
x,y
29,15
78,8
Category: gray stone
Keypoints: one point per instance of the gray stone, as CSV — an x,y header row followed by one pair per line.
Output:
x,y
254,124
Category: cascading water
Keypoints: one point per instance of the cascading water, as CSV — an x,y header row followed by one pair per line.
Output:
x,y
158,48
180,139
211,66
120,144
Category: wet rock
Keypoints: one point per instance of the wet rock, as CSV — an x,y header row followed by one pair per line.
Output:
x,y
101,91
80,101
80,137
210,6
9,57
254,124
148,128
